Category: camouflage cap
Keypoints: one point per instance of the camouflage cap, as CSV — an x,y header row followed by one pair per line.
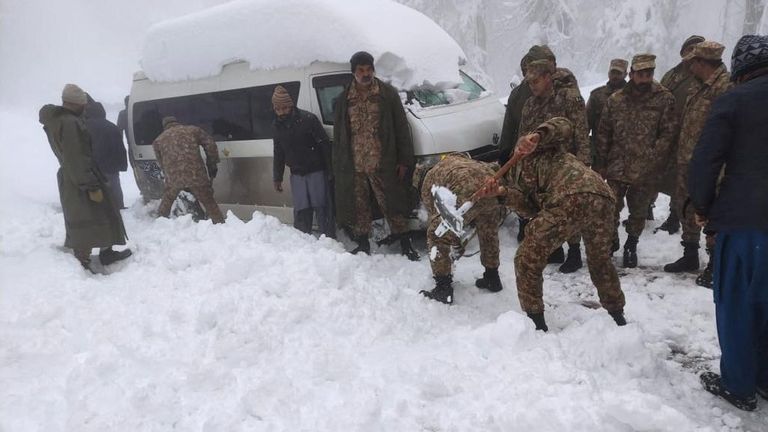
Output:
x,y
167,121
619,65
708,50
692,40
538,67
643,61
541,52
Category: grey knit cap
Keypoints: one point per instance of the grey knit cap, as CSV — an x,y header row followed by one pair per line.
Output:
x,y
74,95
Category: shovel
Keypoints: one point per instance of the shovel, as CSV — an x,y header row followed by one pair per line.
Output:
x,y
445,202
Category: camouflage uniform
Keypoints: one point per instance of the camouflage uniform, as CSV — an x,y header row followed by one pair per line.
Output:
x,y
564,197
463,176
634,138
697,106
596,102
178,154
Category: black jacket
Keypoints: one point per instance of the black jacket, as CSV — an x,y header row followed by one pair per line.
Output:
x,y
107,140
301,143
735,136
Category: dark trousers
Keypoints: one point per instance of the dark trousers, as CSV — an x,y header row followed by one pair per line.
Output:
x,y
741,307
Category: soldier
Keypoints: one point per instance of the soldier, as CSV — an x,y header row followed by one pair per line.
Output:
x,y
712,79
372,153
463,176
178,154
677,80
634,139
617,75
301,143
90,217
553,99
564,198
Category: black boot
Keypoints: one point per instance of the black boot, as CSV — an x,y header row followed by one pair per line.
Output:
x,y
490,280
538,319
713,384
618,317
363,245
406,248
688,263
443,290
557,257
671,225
705,278
109,256
573,262
630,252
521,222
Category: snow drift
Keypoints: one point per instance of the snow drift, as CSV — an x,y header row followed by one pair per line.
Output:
x,y
410,49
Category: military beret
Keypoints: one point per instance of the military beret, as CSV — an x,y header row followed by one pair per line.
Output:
x,y
692,40
643,61
541,52
619,65
708,50
538,67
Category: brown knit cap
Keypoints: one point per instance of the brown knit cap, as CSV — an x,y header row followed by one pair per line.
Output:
x,y
692,40
281,98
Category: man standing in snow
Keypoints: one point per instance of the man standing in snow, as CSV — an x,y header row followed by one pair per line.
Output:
x,y
372,155
712,80
90,217
734,137
178,153
563,197
551,99
617,76
108,149
462,176
677,80
301,143
634,139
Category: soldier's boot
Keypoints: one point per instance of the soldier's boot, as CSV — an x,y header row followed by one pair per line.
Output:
x,y
363,245
618,317
689,262
630,252
490,280
84,258
556,257
538,319
109,256
443,290
705,279
406,248
714,384
573,261
522,222
649,216
671,225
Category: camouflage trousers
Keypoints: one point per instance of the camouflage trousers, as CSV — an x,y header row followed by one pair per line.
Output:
x,y
638,200
203,194
364,184
691,231
485,217
592,216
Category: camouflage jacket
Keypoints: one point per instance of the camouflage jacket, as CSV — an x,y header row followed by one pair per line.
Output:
x,y
678,80
563,101
700,98
596,102
178,153
635,135
545,177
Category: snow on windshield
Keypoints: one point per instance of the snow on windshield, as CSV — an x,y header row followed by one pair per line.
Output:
x,y
410,49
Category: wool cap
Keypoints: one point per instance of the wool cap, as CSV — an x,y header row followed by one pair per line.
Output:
x,y
281,97
692,40
74,95
750,54
361,58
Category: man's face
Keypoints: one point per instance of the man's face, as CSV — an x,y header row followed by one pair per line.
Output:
x,y
697,68
642,79
364,75
616,77
283,111
539,83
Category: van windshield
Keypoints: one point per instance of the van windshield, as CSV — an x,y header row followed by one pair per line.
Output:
x,y
424,97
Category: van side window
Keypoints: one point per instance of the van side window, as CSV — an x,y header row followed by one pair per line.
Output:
x,y
328,88
230,115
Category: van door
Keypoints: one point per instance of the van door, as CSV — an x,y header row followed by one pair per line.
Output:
x,y
327,88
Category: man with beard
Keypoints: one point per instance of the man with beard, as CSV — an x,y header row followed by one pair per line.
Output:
x,y
634,139
301,143
617,79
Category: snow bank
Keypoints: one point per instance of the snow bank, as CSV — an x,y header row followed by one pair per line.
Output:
x,y
410,49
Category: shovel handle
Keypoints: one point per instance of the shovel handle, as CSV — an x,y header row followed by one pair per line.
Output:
x,y
502,171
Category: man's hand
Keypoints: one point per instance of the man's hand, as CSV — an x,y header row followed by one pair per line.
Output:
x,y
279,186
491,188
700,220
96,195
526,144
402,170
212,171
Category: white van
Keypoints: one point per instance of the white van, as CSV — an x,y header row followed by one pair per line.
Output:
x,y
235,107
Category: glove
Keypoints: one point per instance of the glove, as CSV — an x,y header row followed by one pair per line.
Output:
x,y
96,195
212,171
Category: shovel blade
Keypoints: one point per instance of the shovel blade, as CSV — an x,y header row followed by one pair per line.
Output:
x,y
452,218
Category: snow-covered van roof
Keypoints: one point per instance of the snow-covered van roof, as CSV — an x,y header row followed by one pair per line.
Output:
x,y
410,49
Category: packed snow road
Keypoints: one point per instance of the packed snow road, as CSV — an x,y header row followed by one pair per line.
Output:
x,y
255,326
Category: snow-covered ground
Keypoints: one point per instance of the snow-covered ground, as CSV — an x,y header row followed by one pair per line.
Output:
x,y
255,326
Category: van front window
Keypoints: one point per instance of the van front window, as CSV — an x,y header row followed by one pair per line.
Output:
x,y
469,89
